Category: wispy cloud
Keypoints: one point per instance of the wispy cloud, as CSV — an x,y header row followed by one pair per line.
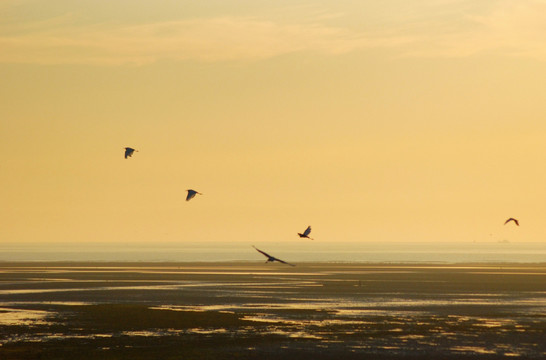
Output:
x,y
210,39
435,28
509,27
519,26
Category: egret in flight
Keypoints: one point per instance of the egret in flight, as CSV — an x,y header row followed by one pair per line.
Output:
x,y
306,233
271,258
129,152
512,219
191,194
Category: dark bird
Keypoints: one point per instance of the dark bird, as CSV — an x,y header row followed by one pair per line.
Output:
x,y
191,194
129,152
271,258
306,233
512,219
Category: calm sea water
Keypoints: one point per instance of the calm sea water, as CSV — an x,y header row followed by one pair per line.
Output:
x,y
292,252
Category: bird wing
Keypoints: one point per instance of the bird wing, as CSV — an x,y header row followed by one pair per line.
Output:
x,y
263,252
129,152
271,258
307,231
511,219
190,195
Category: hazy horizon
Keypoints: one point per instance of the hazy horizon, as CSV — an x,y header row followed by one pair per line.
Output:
x,y
295,252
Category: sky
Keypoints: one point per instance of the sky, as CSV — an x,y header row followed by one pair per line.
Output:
x,y
386,120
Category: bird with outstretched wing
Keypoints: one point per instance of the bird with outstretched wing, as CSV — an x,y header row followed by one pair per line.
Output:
x,y
512,219
306,233
271,258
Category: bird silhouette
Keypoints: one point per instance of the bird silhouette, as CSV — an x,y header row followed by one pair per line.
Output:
x,y
306,233
191,194
271,258
129,152
512,219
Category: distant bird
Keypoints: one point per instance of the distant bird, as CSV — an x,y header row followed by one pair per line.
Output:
x,y
129,152
191,194
512,219
271,258
306,233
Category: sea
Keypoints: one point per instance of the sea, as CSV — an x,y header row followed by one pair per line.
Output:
x,y
293,252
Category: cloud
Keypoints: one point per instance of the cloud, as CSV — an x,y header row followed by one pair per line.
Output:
x,y
435,28
515,28
519,26
211,39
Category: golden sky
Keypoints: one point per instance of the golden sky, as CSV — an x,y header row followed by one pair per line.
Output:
x,y
388,120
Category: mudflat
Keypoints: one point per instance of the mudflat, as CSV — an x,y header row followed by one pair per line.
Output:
x,y
250,310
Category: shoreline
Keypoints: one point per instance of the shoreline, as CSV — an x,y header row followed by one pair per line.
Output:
x,y
292,252
167,263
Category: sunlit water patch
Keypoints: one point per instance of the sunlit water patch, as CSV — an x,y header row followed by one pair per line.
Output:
x,y
55,303
10,316
43,337
473,349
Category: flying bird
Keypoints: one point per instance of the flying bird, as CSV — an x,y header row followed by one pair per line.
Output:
x,y
306,233
191,194
271,258
129,152
512,219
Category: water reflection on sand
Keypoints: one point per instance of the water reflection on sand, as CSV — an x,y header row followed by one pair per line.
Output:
x,y
379,309
15,316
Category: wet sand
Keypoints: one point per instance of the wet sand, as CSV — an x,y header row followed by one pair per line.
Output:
x,y
251,310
